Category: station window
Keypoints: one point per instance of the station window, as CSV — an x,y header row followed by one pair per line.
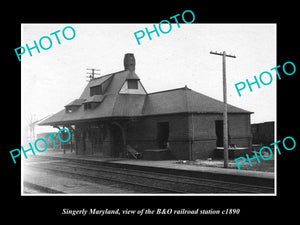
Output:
x,y
162,134
68,109
97,90
132,84
87,106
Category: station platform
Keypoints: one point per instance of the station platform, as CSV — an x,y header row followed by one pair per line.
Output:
x,y
204,166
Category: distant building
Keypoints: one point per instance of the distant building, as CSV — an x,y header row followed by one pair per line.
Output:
x,y
58,144
115,111
41,144
263,133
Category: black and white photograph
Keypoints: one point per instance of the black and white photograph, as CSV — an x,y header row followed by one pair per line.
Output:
x,y
148,118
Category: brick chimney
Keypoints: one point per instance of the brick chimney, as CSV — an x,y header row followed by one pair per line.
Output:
x,y
129,62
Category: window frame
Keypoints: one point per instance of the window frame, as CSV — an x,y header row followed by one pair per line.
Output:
x,y
131,85
96,90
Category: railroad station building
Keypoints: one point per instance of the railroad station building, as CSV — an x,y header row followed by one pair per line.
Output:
x,y
115,113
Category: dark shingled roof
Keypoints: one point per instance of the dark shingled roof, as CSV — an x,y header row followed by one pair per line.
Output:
x,y
113,104
94,98
185,100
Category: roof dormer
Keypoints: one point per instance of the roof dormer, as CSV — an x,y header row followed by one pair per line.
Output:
x,y
74,105
93,101
132,85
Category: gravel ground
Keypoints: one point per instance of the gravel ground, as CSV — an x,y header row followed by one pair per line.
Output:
x,y
264,165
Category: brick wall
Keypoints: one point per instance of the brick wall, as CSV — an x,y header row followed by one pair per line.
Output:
x,y
203,132
142,134
183,128
188,134
263,133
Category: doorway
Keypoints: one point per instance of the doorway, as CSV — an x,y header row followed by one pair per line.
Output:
x,y
220,133
162,134
117,141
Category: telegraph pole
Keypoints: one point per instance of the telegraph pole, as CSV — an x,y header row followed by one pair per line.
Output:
x,y
225,117
92,74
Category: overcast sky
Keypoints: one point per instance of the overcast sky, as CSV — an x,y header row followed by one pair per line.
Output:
x,y
53,78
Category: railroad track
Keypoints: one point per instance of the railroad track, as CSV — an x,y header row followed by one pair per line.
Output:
x,y
146,181
92,175
38,189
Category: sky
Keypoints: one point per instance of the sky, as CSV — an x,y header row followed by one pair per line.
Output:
x,y
53,78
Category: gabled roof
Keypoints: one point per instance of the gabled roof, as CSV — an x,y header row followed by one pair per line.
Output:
x,y
114,104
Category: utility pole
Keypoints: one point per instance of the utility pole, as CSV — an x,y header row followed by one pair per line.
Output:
x,y
92,74
225,117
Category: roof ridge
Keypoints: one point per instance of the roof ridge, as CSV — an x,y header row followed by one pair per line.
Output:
x,y
221,102
175,89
